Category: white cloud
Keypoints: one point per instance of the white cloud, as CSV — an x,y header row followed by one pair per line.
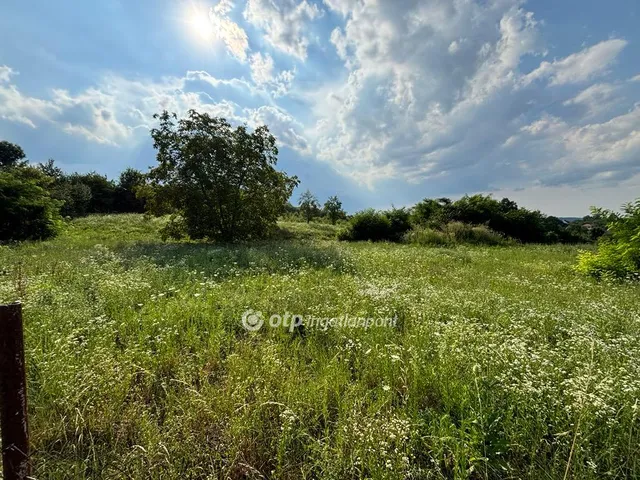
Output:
x,y
261,68
596,99
561,153
19,108
284,23
581,66
118,111
262,73
233,36
435,91
283,125
5,73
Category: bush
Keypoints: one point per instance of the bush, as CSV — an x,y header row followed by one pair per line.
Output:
x,y
504,217
618,253
454,233
175,229
399,223
367,225
27,211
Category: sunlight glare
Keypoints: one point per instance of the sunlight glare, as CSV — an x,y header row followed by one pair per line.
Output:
x,y
200,24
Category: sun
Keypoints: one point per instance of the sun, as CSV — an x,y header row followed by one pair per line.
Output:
x,y
200,24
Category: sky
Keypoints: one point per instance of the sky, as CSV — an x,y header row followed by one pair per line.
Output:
x,y
382,102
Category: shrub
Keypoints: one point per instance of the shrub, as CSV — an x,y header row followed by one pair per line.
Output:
x,y
454,233
399,223
175,229
27,211
367,225
618,253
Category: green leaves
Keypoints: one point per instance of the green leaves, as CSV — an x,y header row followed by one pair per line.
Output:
x,y
618,253
221,181
27,211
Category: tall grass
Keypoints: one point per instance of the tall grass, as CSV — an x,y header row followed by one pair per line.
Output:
x,y
504,363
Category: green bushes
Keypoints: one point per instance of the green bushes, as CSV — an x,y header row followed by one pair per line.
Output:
x,y
377,226
454,233
504,217
367,225
395,226
618,253
27,211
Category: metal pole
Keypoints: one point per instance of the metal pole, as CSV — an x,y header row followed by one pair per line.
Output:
x,y
13,395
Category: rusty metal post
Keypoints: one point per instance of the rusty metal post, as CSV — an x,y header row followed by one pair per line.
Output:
x,y
16,464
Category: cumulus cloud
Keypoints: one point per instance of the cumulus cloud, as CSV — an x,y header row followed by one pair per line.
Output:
x,y
605,151
581,66
19,108
284,23
262,73
118,111
233,36
283,125
434,90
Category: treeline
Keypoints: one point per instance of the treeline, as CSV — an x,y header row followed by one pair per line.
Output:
x,y
444,220
309,208
88,193
219,182
34,199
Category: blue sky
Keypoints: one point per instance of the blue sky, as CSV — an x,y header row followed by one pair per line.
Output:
x,y
381,102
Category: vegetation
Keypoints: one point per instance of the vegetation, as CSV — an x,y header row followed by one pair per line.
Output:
x,y
219,182
503,363
618,253
27,211
11,155
504,217
333,209
309,206
367,225
455,233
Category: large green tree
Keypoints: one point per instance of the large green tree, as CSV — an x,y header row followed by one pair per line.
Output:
x,y
219,180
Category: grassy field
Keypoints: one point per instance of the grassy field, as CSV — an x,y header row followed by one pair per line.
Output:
x,y
503,362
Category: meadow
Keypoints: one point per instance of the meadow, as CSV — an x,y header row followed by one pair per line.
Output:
x,y
503,361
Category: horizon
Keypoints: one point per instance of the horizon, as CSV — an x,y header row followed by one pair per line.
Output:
x,y
380,103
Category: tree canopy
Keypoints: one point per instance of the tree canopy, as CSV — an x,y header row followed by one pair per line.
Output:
x,y
218,181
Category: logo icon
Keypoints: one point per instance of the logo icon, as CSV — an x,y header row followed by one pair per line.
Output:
x,y
252,321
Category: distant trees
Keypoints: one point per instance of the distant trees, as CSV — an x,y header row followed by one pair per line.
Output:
x,y
219,182
502,216
443,219
309,206
333,209
87,193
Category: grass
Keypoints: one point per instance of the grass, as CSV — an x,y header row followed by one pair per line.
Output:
x,y
503,363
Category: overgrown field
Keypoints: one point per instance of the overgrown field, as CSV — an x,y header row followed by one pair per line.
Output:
x,y
503,363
